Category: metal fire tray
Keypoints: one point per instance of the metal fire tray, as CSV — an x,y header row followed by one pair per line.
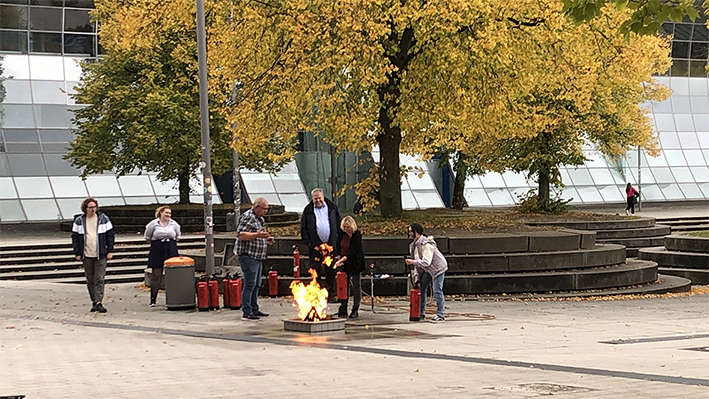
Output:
x,y
314,326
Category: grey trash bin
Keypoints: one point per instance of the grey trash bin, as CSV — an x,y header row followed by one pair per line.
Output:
x,y
179,283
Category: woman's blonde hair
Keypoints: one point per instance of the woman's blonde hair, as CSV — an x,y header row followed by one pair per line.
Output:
x,y
348,221
160,210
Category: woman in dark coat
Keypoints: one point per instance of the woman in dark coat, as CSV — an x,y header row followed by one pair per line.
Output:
x,y
352,261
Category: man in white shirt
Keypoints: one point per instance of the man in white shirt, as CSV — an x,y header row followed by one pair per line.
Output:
x,y
320,224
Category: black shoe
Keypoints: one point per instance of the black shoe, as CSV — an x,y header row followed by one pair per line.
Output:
x,y
261,314
250,317
342,311
100,308
354,314
93,307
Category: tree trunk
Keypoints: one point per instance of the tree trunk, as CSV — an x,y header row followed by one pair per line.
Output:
x,y
543,185
184,181
461,172
389,181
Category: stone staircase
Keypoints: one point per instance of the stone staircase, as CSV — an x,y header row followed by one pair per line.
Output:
x,y
682,255
488,264
56,263
634,233
687,223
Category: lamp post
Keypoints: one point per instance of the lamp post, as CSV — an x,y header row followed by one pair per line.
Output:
x,y
204,125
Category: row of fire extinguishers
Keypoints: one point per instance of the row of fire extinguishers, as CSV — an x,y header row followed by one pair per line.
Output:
x,y
208,293
208,287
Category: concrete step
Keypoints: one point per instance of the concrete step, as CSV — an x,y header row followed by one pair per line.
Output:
x,y
641,242
666,258
654,231
110,279
69,263
68,273
698,277
694,227
54,255
139,240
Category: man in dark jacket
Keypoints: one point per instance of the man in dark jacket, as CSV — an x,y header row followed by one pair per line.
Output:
x,y
92,239
320,224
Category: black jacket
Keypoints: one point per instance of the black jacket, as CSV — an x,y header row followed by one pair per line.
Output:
x,y
308,229
104,231
355,254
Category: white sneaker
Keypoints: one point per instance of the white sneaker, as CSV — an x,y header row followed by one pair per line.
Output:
x,y
627,212
438,319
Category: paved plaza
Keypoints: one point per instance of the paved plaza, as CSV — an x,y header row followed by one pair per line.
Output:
x,y
52,347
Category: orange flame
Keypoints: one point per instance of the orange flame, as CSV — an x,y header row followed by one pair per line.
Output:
x,y
326,251
310,299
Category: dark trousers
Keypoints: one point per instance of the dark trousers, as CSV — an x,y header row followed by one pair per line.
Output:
x,y
252,270
354,288
155,283
95,270
631,205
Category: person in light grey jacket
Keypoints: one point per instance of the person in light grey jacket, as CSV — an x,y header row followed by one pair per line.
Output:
x,y
431,266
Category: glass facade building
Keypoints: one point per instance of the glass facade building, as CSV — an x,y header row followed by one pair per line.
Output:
x,y
41,42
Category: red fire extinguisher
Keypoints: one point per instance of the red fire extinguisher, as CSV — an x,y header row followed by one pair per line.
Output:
x,y
272,283
235,294
415,305
296,261
341,278
202,295
213,286
225,291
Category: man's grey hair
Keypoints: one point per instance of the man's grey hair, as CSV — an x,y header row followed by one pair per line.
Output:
x,y
257,202
315,191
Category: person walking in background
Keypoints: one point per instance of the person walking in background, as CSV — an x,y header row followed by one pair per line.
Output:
x,y
162,234
92,240
631,193
251,248
352,261
320,224
431,266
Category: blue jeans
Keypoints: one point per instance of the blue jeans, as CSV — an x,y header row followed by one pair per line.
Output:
x,y
252,269
437,292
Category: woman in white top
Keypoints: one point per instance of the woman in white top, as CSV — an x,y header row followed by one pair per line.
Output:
x,y
162,233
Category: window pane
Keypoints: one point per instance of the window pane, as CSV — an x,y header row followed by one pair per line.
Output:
x,y
694,158
53,115
21,136
679,68
651,192
59,166
46,19
287,183
103,186
688,140
664,123
135,185
684,122
48,92
45,42
17,91
671,191
77,21
700,33
7,188
589,194
33,187
682,174
580,176
680,104
675,158
13,41
41,210
699,51
476,197
683,31
602,176
294,202
79,44
55,135
697,68
26,164
79,3
417,183
700,173
258,183
428,199
492,179
46,67
499,196
53,3
11,211
18,116
680,49
691,191
611,193
13,17
700,104
663,175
